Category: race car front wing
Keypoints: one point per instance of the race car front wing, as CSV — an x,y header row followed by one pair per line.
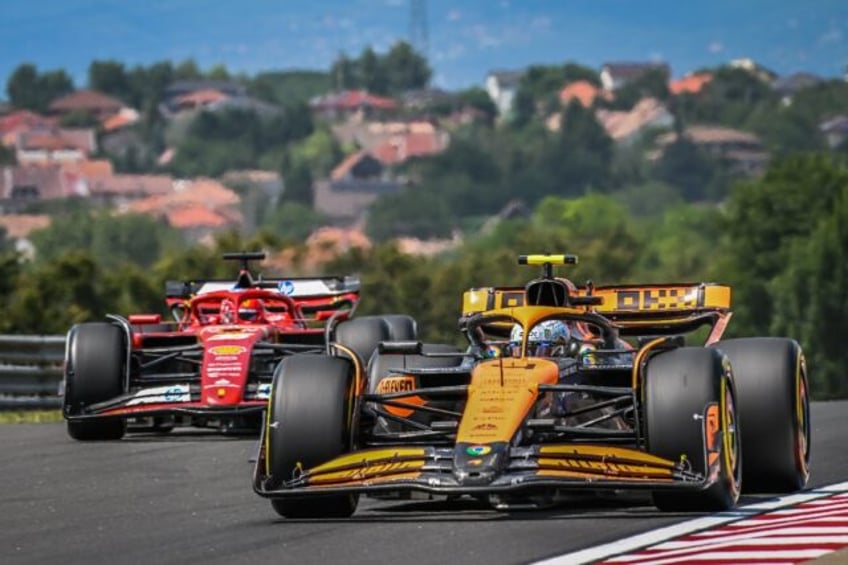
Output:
x,y
482,469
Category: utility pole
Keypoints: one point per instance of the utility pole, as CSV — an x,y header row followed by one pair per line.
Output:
x,y
418,35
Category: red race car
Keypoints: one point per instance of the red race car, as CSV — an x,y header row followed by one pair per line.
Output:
x,y
212,365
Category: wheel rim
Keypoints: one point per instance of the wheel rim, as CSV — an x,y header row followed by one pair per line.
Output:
x,y
802,422
731,442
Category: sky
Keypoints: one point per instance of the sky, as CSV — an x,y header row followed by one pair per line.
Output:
x,y
467,38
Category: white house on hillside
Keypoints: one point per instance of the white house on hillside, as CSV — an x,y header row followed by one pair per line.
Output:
x,y
501,86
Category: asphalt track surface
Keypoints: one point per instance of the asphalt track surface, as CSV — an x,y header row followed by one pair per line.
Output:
x,y
186,498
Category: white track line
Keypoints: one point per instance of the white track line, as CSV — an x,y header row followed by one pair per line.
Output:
x,y
632,543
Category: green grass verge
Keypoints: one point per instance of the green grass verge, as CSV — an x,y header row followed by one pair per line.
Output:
x,y
30,416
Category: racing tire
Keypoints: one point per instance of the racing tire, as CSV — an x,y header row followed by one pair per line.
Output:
x,y
679,386
401,327
771,384
362,335
308,424
95,368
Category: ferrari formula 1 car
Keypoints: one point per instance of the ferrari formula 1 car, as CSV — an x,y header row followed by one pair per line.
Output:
x,y
561,389
210,366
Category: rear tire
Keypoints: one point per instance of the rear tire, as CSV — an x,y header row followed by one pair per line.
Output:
x,y
771,384
679,386
401,327
309,424
362,335
94,372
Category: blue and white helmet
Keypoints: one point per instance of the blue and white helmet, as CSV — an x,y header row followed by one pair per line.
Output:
x,y
542,336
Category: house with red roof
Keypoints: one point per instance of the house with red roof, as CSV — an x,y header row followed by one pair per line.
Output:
x,y
198,208
18,227
54,145
119,190
584,92
393,142
627,126
741,150
20,185
351,102
690,84
358,165
22,121
124,118
92,102
199,99
345,201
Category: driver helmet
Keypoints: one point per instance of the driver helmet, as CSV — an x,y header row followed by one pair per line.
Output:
x,y
251,310
543,339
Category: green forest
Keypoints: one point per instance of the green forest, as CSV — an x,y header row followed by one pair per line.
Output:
x,y
779,239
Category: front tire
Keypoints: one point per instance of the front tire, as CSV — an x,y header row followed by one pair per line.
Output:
x,y
94,372
309,424
683,388
771,382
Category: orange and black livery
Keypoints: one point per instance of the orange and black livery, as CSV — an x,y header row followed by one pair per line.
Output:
x,y
561,387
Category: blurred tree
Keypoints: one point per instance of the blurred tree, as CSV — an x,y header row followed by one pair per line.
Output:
x,y
479,99
371,73
7,155
581,156
137,238
343,73
218,72
811,299
764,218
297,182
405,69
187,70
27,89
110,77
653,83
292,221
684,166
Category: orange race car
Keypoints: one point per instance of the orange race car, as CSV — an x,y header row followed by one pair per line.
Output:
x,y
561,388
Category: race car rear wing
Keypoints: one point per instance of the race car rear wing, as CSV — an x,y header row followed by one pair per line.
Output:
x,y
638,310
317,297
295,287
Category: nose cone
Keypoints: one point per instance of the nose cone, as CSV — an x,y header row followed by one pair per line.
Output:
x,y
479,464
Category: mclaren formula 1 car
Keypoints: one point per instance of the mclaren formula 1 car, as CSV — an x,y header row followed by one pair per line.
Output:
x,y
211,366
561,389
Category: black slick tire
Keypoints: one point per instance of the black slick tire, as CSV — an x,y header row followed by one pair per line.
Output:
x,y
771,384
309,424
680,385
94,372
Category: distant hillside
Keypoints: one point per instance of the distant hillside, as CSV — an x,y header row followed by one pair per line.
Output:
x,y
286,87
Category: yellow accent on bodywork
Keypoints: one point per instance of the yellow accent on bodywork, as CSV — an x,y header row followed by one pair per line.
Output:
x,y
587,461
366,466
541,259
670,298
637,361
